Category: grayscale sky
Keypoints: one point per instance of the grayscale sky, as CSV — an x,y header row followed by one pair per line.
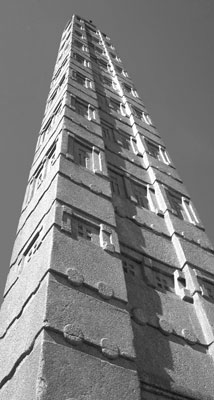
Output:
x,y
167,47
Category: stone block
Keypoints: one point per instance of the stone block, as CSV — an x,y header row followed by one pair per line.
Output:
x,y
205,313
80,132
163,168
140,215
54,370
85,200
145,133
141,125
156,175
74,65
27,283
82,93
146,241
170,365
159,305
114,119
23,384
94,318
187,230
94,182
93,125
192,254
62,252
126,166
91,261
127,154
125,127
20,337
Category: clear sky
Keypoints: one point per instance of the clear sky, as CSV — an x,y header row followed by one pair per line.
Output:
x,y
167,47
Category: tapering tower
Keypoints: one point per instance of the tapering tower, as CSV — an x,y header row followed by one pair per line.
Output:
x,y
111,285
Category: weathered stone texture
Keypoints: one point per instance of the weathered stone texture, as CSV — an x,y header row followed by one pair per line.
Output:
x,y
108,290
146,241
172,365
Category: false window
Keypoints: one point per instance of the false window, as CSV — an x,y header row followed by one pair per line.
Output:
x,y
107,81
78,44
83,155
122,139
117,184
175,201
140,194
147,118
132,268
78,33
137,113
81,109
158,152
108,133
125,73
181,207
79,78
79,58
102,63
118,69
118,107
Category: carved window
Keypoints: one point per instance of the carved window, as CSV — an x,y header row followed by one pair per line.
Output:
x,y
118,69
108,133
127,88
117,183
158,279
83,155
78,44
80,228
146,118
158,152
163,282
122,139
175,201
153,150
207,289
181,207
94,39
98,50
79,58
84,230
30,250
125,73
107,81
115,105
32,247
103,64
80,78
81,108
140,194
85,48
132,268
78,33
137,113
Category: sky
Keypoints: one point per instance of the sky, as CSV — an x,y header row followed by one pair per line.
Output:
x,y
167,47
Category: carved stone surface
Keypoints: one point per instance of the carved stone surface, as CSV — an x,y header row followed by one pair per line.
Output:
x,y
111,282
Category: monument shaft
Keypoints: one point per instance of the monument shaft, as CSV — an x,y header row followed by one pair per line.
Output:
x,y
111,284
